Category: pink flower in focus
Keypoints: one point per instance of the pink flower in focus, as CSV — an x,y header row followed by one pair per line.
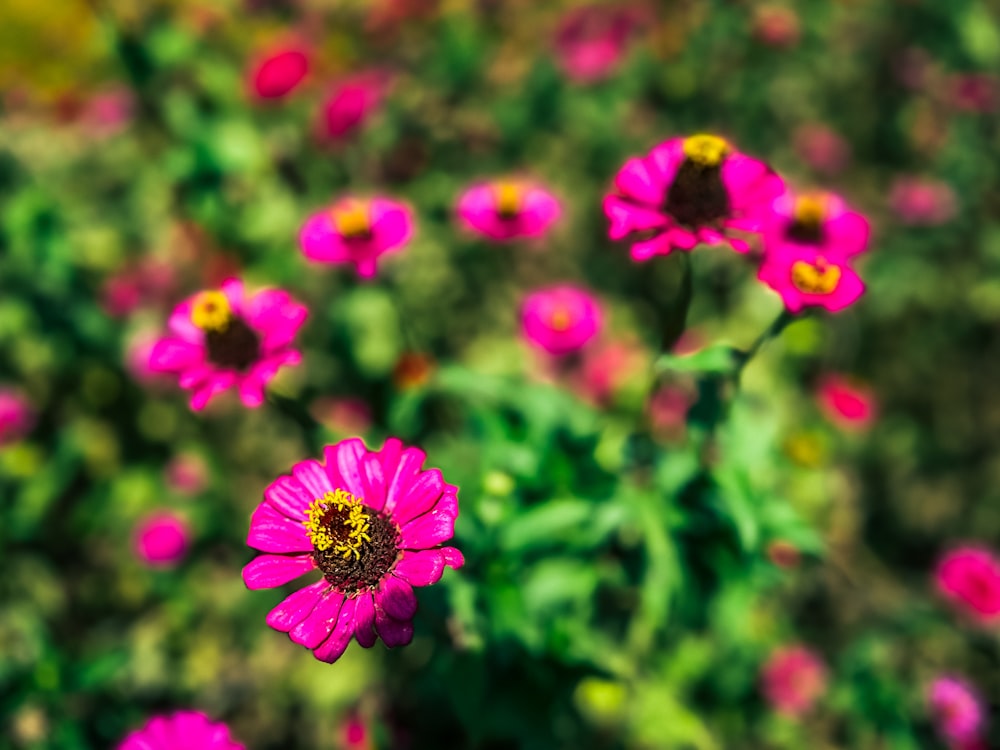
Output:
x,y
686,191
922,202
508,209
356,231
184,730
970,578
372,523
560,319
847,403
821,148
161,539
222,338
591,42
805,277
187,473
817,220
17,417
956,710
349,105
776,25
793,679
278,73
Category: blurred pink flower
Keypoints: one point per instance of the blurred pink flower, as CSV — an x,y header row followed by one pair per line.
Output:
x,y
805,277
146,283
508,209
817,220
973,92
821,148
776,25
668,410
138,348
190,730
922,201
354,734
605,368
277,73
357,231
221,339
372,522
17,417
847,403
161,539
956,710
349,104
592,41
686,191
793,679
969,577
187,473
109,112
348,416
560,319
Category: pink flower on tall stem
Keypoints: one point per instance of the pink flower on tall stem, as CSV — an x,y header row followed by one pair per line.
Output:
x,y
560,319
277,73
372,523
222,338
690,190
349,105
508,209
956,710
970,578
922,202
793,679
357,231
817,220
161,539
17,417
184,730
848,404
805,277
592,41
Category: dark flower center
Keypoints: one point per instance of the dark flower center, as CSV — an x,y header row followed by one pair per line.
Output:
x,y
353,221
509,197
697,196
235,347
807,226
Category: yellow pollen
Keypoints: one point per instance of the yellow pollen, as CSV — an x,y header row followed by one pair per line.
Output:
x,y
508,197
818,278
210,311
351,218
705,150
561,319
356,522
810,209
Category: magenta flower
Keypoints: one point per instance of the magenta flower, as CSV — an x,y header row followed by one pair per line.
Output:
x,y
356,231
846,403
161,539
560,319
221,339
817,220
372,524
793,679
970,578
187,473
278,73
956,709
821,148
184,730
17,417
591,42
922,202
686,191
805,277
508,209
350,104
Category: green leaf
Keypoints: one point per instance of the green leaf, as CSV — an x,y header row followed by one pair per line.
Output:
x,y
717,359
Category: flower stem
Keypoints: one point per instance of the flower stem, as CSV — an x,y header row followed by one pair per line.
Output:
x,y
772,331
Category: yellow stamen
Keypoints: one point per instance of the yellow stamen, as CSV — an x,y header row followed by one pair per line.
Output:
x,y
211,311
561,318
351,218
508,197
810,209
705,150
818,278
355,519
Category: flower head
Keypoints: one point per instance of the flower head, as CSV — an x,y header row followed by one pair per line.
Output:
x,y
17,417
560,319
922,202
223,338
793,679
776,25
846,403
686,191
278,73
187,473
806,277
956,709
356,231
347,107
372,524
816,220
184,730
822,148
970,578
508,209
161,539
592,41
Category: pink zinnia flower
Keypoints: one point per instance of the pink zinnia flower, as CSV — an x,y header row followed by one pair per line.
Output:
x,y
187,473
560,319
805,277
349,105
221,339
956,710
970,578
354,733
846,403
184,730
689,190
17,417
817,220
793,679
606,367
161,539
821,148
508,209
922,201
278,73
372,524
356,231
591,42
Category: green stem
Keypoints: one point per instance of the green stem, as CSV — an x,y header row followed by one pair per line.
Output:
x,y
772,331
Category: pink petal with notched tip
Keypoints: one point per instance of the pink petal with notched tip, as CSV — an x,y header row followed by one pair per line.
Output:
x,y
420,568
318,626
427,530
289,497
313,478
333,647
296,607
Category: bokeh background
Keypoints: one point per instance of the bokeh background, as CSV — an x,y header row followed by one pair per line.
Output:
x,y
622,589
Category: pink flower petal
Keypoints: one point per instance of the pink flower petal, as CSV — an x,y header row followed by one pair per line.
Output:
x,y
373,481
272,531
636,181
421,496
216,384
251,391
289,496
296,607
343,465
428,530
406,472
627,218
364,620
393,632
318,626
452,557
313,478
268,571
396,597
181,325
420,568
390,456
171,355
334,646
